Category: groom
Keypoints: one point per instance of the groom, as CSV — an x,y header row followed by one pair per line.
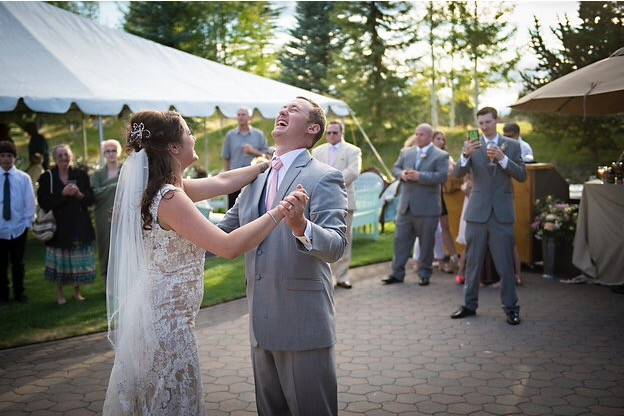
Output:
x,y
289,285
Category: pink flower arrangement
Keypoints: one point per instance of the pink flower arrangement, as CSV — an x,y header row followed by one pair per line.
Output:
x,y
554,218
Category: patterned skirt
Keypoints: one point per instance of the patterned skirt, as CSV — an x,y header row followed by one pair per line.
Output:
x,y
74,266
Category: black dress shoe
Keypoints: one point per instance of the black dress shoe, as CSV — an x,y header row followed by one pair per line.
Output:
x,y
344,285
513,318
462,312
423,281
390,280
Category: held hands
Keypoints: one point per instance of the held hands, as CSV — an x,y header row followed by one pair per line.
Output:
x,y
470,147
495,153
71,190
250,150
410,175
293,207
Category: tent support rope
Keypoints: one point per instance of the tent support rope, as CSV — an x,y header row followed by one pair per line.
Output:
x,y
389,174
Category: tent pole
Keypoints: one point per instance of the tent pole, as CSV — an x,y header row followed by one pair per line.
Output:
x,y
206,154
221,125
101,132
84,138
379,159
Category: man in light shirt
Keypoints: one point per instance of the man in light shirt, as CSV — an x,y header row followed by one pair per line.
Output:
x,y
347,158
512,130
242,145
17,215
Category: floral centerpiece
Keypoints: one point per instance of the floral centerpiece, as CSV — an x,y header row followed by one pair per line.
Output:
x,y
555,225
554,219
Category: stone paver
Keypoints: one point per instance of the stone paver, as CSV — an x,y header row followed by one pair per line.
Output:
x,y
398,353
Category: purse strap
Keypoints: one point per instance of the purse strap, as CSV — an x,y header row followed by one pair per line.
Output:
x,y
51,189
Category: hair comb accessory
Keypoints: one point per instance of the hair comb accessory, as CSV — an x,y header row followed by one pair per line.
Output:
x,y
137,133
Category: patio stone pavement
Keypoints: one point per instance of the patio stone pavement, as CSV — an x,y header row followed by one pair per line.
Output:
x,y
398,353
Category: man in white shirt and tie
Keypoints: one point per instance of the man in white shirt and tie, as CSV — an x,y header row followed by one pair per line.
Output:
x,y
17,215
512,130
347,158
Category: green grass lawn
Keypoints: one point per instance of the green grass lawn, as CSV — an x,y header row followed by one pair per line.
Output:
x,y
41,319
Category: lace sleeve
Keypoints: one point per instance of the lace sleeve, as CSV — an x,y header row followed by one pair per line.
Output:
x,y
159,197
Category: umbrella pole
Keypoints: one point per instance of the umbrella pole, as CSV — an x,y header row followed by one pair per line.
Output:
x,y
379,159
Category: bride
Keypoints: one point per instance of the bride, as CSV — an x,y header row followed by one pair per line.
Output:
x,y
156,267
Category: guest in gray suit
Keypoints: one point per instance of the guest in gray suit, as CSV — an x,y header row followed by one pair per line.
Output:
x,y
490,213
289,284
422,170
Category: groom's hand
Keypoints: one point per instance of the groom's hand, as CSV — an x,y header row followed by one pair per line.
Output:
x,y
294,205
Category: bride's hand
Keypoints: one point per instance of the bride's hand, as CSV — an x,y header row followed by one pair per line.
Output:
x,y
295,205
263,166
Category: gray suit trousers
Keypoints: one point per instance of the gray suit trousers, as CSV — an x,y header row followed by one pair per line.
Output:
x,y
408,227
295,383
499,238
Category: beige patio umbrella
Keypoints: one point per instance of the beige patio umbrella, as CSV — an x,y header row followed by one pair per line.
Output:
x,y
596,89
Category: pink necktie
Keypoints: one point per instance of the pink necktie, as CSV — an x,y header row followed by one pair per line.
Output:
x,y
276,165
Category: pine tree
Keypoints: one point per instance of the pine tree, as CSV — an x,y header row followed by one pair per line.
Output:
x,y
306,58
232,33
486,34
600,33
88,9
365,74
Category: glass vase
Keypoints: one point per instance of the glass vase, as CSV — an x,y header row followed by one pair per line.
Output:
x,y
549,253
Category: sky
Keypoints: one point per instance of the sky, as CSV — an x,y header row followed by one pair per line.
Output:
x,y
548,13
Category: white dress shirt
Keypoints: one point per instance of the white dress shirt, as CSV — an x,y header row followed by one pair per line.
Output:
x,y
334,149
503,162
287,160
527,151
22,204
422,152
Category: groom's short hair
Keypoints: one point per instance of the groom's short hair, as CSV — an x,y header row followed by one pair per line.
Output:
x,y
317,116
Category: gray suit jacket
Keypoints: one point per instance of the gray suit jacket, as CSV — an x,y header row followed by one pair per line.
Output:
x,y
492,188
289,289
348,160
422,198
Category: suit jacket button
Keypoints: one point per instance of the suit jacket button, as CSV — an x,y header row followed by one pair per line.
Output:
x,y
258,276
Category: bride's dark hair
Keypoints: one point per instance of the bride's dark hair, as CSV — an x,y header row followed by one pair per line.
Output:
x,y
155,131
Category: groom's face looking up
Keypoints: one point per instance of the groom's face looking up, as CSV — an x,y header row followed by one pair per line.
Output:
x,y
299,124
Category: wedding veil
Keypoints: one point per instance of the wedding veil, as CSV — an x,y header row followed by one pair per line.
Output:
x,y
130,319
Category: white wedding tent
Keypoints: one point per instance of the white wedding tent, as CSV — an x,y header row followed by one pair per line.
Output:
x,y
51,59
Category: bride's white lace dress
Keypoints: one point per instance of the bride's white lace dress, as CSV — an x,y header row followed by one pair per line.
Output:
x,y
172,385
